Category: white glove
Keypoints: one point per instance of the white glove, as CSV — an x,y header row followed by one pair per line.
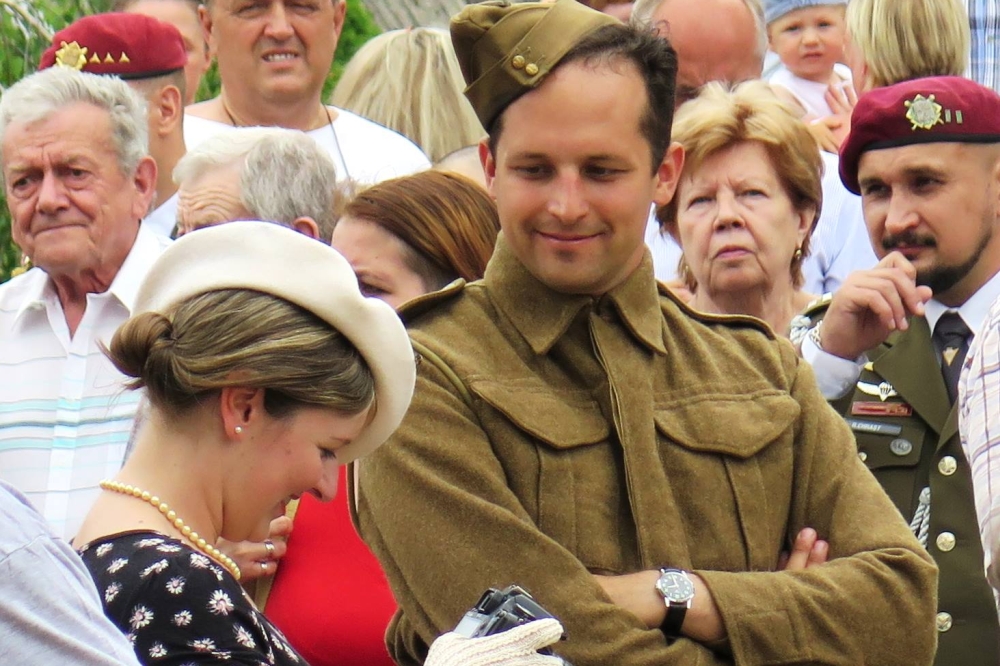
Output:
x,y
516,647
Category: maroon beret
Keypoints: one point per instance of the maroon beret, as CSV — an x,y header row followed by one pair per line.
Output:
x,y
937,109
129,46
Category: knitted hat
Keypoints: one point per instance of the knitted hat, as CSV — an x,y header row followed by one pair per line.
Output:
x,y
775,9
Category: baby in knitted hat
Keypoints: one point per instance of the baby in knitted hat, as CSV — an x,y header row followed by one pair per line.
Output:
x,y
808,36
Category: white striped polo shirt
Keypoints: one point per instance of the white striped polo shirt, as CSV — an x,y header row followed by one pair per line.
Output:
x,y
65,417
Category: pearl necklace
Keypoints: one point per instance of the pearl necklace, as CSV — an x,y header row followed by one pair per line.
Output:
x,y
189,534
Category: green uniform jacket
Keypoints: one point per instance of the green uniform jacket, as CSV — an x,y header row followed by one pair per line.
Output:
x,y
555,436
909,439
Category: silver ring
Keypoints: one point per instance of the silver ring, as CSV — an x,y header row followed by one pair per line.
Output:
x,y
269,545
264,566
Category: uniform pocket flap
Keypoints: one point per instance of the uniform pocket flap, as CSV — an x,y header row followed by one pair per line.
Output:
x,y
562,419
892,450
734,425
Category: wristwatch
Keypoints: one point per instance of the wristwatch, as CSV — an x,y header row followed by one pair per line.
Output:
x,y
677,590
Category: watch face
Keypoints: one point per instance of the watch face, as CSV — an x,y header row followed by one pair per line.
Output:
x,y
675,587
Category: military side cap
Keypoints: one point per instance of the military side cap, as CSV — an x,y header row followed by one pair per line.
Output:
x,y
937,109
507,49
129,46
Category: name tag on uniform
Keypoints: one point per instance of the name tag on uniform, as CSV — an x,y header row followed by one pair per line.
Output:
x,y
874,427
881,409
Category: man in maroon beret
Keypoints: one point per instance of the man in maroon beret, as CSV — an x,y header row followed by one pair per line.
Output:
x,y
925,157
149,55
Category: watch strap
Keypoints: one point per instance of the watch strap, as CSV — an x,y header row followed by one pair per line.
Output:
x,y
676,610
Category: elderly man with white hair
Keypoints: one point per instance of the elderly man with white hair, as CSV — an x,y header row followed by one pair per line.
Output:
x,y
78,179
726,40
271,174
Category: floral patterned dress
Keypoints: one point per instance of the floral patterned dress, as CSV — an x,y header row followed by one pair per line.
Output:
x,y
177,606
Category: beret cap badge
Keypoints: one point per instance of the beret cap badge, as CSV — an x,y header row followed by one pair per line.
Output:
x,y
923,112
71,55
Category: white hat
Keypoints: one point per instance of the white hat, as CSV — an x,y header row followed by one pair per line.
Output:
x,y
275,260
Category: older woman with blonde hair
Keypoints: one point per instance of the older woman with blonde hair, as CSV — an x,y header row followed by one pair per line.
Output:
x,y
746,204
410,81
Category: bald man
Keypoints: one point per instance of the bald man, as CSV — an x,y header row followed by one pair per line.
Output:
x,y
715,40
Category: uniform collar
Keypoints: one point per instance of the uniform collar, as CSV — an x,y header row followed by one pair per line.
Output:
x,y
972,311
542,315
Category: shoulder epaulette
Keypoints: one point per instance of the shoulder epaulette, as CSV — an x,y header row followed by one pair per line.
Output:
x,y
421,304
708,318
818,306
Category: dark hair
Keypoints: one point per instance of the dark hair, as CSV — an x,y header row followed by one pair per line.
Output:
x,y
656,60
448,224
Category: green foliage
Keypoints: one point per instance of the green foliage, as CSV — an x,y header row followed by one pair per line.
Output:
x,y
26,28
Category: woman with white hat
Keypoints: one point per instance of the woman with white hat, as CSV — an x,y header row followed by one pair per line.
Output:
x,y
261,381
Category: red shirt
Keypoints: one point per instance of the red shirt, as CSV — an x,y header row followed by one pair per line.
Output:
x,y
330,597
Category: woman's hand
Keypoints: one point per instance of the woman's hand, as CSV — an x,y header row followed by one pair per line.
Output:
x,y
517,647
259,558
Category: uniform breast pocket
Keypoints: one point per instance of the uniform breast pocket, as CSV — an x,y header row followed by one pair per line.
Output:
x,y
892,449
564,466
738,450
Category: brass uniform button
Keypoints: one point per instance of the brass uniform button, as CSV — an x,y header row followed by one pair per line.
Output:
x,y
517,62
531,69
948,466
946,542
943,621
863,456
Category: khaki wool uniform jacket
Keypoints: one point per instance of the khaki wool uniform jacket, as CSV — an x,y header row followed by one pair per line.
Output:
x,y
909,439
555,436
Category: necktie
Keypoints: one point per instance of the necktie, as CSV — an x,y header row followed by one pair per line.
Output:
x,y
951,338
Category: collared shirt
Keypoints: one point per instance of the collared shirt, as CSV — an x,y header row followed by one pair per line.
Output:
x,y
164,218
984,59
979,425
838,246
65,416
836,376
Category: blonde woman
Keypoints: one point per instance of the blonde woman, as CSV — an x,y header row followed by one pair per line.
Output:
x,y
890,41
410,81
747,202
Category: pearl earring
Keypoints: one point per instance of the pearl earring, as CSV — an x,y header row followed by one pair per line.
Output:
x,y
239,430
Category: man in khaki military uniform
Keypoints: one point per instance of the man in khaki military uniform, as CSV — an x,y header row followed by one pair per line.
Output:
x,y
638,467
925,157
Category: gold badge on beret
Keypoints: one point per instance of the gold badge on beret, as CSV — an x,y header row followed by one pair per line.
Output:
x,y
71,55
923,112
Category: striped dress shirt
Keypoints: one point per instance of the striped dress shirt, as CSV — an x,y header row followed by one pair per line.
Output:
x,y
979,424
984,59
64,415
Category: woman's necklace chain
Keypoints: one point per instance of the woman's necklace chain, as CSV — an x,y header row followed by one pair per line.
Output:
x,y
171,515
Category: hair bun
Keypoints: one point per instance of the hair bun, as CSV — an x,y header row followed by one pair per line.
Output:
x,y
141,347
